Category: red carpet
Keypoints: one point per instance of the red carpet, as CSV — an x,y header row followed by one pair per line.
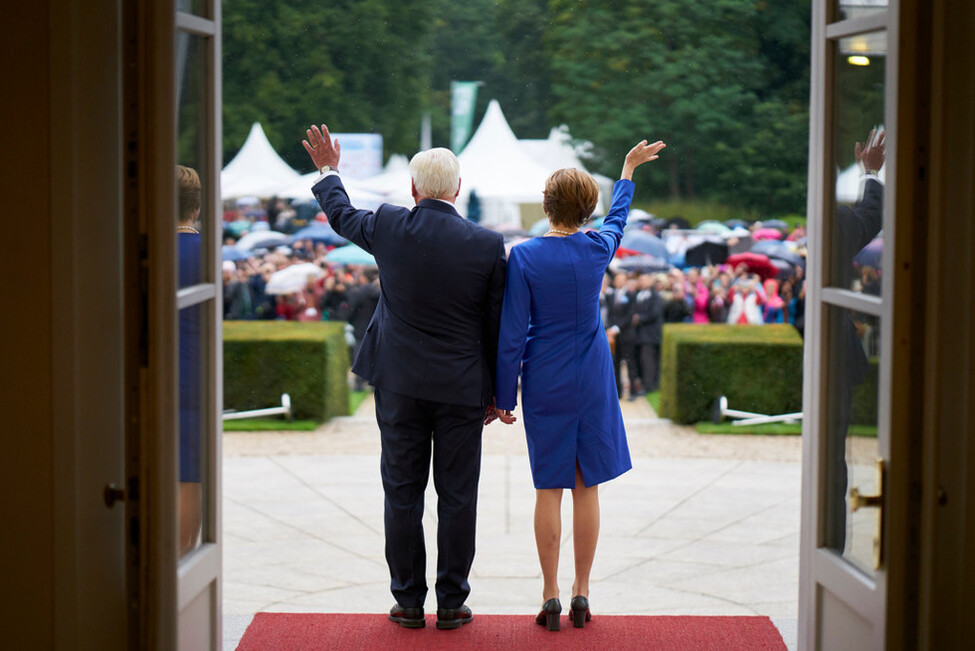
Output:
x,y
292,631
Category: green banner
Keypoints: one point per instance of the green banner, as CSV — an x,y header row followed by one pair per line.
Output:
x,y
463,96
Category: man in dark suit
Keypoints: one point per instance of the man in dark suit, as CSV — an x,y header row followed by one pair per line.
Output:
x,y
649,319
430,351
620,306
363,300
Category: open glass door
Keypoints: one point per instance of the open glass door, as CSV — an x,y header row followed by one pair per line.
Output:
x,y
857,332
172,149
198,304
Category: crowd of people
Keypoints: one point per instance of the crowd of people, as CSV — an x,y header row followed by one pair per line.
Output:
x,y
636,305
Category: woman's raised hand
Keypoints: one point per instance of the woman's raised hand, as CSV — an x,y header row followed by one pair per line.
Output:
x,y
640,154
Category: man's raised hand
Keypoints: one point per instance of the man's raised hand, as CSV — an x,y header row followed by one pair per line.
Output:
x,y
322,149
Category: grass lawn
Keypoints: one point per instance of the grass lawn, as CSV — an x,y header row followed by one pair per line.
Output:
x,y
773,429
266,424
355,399
654,399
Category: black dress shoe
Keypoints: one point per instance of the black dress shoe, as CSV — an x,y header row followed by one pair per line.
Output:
x,y
454,617
579,611
549,615
407,617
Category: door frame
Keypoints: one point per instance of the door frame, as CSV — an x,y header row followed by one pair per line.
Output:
x,y
884,600
177,603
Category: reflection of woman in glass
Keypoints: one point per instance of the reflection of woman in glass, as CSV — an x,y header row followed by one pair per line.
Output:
x,y
188,244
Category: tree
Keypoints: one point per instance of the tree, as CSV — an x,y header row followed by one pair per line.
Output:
x,y
360,65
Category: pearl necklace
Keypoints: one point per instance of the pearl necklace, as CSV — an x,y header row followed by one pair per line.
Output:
x,y
187,229
560,232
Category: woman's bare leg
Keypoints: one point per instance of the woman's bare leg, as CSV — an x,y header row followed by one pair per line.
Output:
x,y
585,532
548,535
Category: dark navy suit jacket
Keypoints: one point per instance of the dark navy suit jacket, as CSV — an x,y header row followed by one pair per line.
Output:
x,y
434,335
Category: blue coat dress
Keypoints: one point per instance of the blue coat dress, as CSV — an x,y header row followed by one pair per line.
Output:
x,y
552,334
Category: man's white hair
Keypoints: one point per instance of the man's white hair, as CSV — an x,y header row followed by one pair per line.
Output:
x,y
436,173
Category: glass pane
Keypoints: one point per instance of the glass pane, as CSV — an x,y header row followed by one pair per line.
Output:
x,y
852,449
194,421
846,9
193,182
859,151
196,7
194,186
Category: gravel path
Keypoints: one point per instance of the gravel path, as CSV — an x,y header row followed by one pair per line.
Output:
x,y
648,436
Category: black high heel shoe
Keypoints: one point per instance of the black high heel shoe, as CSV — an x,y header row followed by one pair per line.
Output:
x,y
579,611
549,616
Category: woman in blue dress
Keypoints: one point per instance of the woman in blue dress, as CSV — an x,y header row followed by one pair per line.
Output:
x,y
553,336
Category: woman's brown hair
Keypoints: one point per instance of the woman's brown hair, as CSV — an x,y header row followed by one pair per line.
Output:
x,y
190,190
570,197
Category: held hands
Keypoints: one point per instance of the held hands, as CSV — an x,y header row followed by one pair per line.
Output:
x,y
492,413
321,148
873,152
640,154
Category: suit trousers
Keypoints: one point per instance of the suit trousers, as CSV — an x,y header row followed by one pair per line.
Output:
x,y
411,429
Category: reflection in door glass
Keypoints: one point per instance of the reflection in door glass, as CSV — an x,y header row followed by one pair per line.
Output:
x,y
859,154
852,449
193,187
846,9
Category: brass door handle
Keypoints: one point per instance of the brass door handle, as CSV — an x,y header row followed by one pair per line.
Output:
x,y
858,500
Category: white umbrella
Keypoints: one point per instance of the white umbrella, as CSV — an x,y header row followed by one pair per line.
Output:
x,y
292,279
262,240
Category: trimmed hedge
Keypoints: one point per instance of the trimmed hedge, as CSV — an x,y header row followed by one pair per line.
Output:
x,y
308,361
757,367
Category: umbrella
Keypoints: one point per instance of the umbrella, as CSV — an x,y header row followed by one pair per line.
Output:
x,y
775,223
679,222
350,254
644,243
263,240
872,254
706,253
644,264
292,279
778,250
755,263
237,227
230,252
786,270
637,215
767,234
320,232
736,223
511,231
713,227
539,227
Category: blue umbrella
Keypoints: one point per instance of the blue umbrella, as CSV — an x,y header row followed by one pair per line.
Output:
x,y
872,254
320,232
736,223
540,227
230,252
644,243
350,254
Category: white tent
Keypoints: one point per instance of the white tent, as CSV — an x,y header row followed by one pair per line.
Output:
x,y
848,186
557,151
496,167
256,170
300,190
